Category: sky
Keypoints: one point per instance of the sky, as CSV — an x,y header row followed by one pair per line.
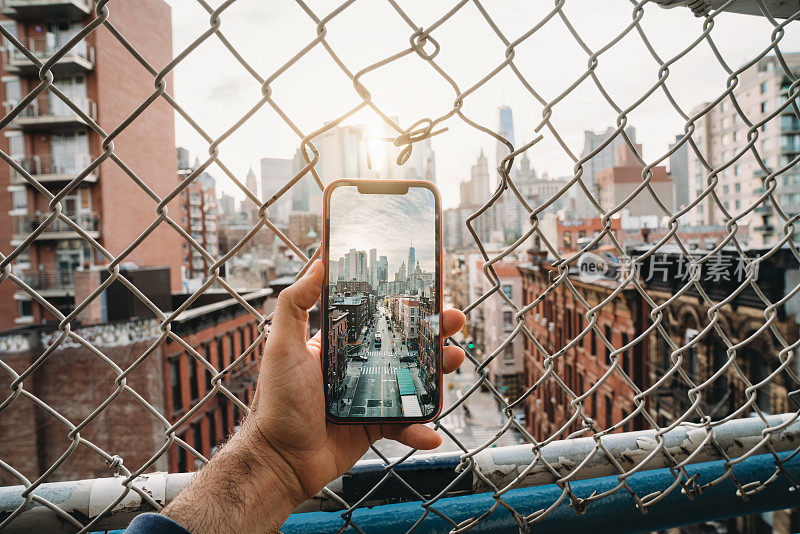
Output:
x,y
217,91
388,223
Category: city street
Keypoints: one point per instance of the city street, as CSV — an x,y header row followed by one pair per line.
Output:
x,y
479,427
371,388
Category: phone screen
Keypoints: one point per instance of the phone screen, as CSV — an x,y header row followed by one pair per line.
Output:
x,y
382,338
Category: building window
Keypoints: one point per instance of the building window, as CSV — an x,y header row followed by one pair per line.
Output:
x,y
19,200
223,406
197,436
737,187
212,430
25,308
182,455
231,347
507,290
609,411
11,27
175,376
209,376
193,390
608,337
763,87
763,107
570,318
508,320
13,91
625,359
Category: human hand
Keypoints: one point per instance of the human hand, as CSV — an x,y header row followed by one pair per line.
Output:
x,y
286,450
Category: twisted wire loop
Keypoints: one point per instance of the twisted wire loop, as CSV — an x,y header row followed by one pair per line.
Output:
x,y
690,387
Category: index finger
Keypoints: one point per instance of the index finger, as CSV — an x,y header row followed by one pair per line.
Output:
x,y
452,321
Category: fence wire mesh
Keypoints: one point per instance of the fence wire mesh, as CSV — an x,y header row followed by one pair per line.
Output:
x,y
745,385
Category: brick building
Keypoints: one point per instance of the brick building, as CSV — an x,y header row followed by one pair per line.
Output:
x,y
428,336
33,440
616,183
409,321
52,143
757,354
75,381
353,286
506,369
304,229
561,318
337,351
221,333
357,309
199,216
571,232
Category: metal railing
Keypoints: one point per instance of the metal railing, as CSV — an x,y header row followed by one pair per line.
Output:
x,y
28,224
43,48
48,280
48,167
689,465
53,108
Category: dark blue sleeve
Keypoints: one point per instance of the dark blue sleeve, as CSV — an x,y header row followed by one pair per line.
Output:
x,y
154,524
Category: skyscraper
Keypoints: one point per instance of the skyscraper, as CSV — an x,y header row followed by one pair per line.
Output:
x,y
679,171
478,188
361,266
412,260
383,270
373,273
421,165
341,155
604,159
505,120
721,134
250,182
350,265
275,173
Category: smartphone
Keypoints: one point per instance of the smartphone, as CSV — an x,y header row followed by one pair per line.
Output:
x,y
381,301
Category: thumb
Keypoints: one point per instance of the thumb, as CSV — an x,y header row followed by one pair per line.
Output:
x,y
291,311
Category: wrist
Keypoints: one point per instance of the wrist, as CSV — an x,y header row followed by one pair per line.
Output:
x,y
272,467
247,486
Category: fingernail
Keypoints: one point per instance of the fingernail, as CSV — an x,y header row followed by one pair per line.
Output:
x,y
314,266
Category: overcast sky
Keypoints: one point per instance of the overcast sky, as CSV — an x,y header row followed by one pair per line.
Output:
x,y
387,223
217,91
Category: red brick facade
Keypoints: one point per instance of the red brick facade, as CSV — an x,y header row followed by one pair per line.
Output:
x,y
556,321
32,439
337,350
220,338
109,204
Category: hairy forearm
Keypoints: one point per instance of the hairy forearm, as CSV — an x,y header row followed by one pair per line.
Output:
x,y
246,487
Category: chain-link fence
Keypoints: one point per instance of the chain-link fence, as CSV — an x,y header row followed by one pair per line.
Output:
x,y
703,372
